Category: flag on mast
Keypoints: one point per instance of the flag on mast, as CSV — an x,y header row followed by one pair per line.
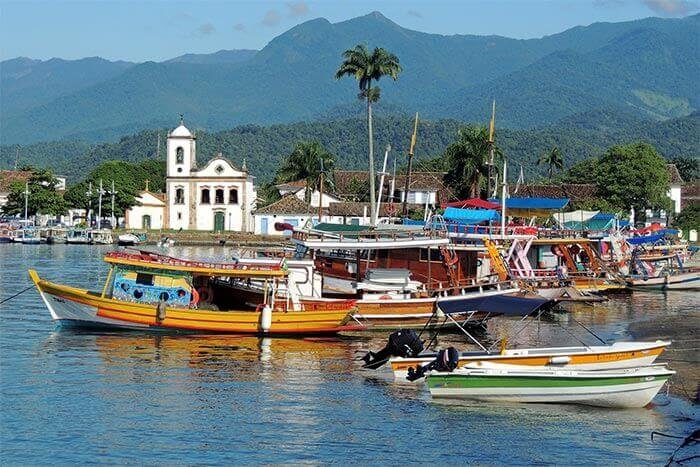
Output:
x,y
521,180
492,122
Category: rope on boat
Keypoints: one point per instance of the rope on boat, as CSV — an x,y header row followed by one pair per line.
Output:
x,y
17,294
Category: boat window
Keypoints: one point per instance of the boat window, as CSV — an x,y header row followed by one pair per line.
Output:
x,y
145,279
233,196
219,196
205,196
179,156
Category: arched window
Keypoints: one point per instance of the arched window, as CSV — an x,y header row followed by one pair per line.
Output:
x,y
179,156
233,196
219,196
179,196
205,196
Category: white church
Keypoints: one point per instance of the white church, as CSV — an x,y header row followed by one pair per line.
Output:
x,y
217,197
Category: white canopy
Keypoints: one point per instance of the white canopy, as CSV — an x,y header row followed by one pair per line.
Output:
x,y
574,216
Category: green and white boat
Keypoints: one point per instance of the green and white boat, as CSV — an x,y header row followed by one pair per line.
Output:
x,y
620,388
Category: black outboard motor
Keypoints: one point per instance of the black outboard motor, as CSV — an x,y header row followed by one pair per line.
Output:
x,y
446,360
402,343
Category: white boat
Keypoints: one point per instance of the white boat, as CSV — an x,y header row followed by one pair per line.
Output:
x,y
595,357
100,237
129,239
621,388
77,237
28,236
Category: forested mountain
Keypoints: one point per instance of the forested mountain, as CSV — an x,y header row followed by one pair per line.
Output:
x,y
262,147
646,67
222,56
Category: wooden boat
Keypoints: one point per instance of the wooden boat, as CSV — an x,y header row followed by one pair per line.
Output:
x,y
100,237
597,357
620,388
78,237
668,280
146,291
29,236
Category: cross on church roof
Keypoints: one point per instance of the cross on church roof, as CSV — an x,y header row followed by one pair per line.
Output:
x,y
147,184
182,119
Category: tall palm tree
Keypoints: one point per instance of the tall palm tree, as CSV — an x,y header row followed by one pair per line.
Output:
x,y
554,159
365,67
306,162
466,160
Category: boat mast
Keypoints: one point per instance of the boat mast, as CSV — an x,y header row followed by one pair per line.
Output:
x,y
504,193
99,207
113,192
492,127
381,185
404,210
26,202
320,193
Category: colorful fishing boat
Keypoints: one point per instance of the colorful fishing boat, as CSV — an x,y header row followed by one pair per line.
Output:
x,y
620,388
688,279
147,291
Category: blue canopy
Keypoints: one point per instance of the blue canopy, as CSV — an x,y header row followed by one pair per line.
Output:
x,y
533,203
470,216
645,239
496,304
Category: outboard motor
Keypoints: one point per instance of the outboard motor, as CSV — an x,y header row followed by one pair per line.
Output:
x,y
446,360
402,343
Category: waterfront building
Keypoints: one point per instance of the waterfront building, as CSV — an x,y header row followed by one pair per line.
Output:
x,y
150,212
218,196
287,210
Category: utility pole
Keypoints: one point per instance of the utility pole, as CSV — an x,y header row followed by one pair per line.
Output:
x,y
99,207
492,128
158,148
404,210
320,193
17,159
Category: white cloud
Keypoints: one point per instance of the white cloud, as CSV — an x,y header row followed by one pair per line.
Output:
x,y
271,18
298,8
671,7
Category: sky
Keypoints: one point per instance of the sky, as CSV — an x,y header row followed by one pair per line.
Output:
x,y
162,29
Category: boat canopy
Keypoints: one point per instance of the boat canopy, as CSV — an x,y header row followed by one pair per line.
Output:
x,y
470,216
496,304
471,203
528,207
585,220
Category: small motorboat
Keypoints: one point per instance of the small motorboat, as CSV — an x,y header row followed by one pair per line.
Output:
x,y
621,388
130,239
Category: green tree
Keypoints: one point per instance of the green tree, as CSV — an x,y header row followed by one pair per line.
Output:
x,y
688,167
366,67
553,160
358,189
633,175
583,171
306,162
268,194
43,197
688,218
466,161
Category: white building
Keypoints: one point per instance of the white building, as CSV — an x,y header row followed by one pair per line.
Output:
x,y
150,212
217,197
288,210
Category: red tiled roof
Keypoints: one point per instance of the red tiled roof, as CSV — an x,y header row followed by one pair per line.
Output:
x,y
7,177
573,191
290,204
673,175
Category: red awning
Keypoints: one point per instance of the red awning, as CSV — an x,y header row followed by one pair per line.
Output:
x,y
473,203
651,228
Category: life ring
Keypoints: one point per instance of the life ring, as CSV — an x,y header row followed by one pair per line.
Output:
x,y
385,297
479,263
195,298
556,250
205,294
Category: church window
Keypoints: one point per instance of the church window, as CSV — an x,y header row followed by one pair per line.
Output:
x,y
179,196
179,216
219,196
219,169
205,196
179,156
233,196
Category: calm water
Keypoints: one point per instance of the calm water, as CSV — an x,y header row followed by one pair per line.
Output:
x,y
70,397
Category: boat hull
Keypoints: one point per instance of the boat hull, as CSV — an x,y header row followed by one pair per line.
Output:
x,y
682,281
618,389
80,307
615,356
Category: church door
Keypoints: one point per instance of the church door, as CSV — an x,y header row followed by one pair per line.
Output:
x,y
146,222
218,221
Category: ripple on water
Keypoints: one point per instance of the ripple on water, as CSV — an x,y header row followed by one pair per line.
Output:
x,y
71,397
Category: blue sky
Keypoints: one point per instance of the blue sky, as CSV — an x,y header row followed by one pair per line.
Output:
x,y
161,29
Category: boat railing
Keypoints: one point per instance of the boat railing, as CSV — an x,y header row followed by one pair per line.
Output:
x,y
157,259
470,286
